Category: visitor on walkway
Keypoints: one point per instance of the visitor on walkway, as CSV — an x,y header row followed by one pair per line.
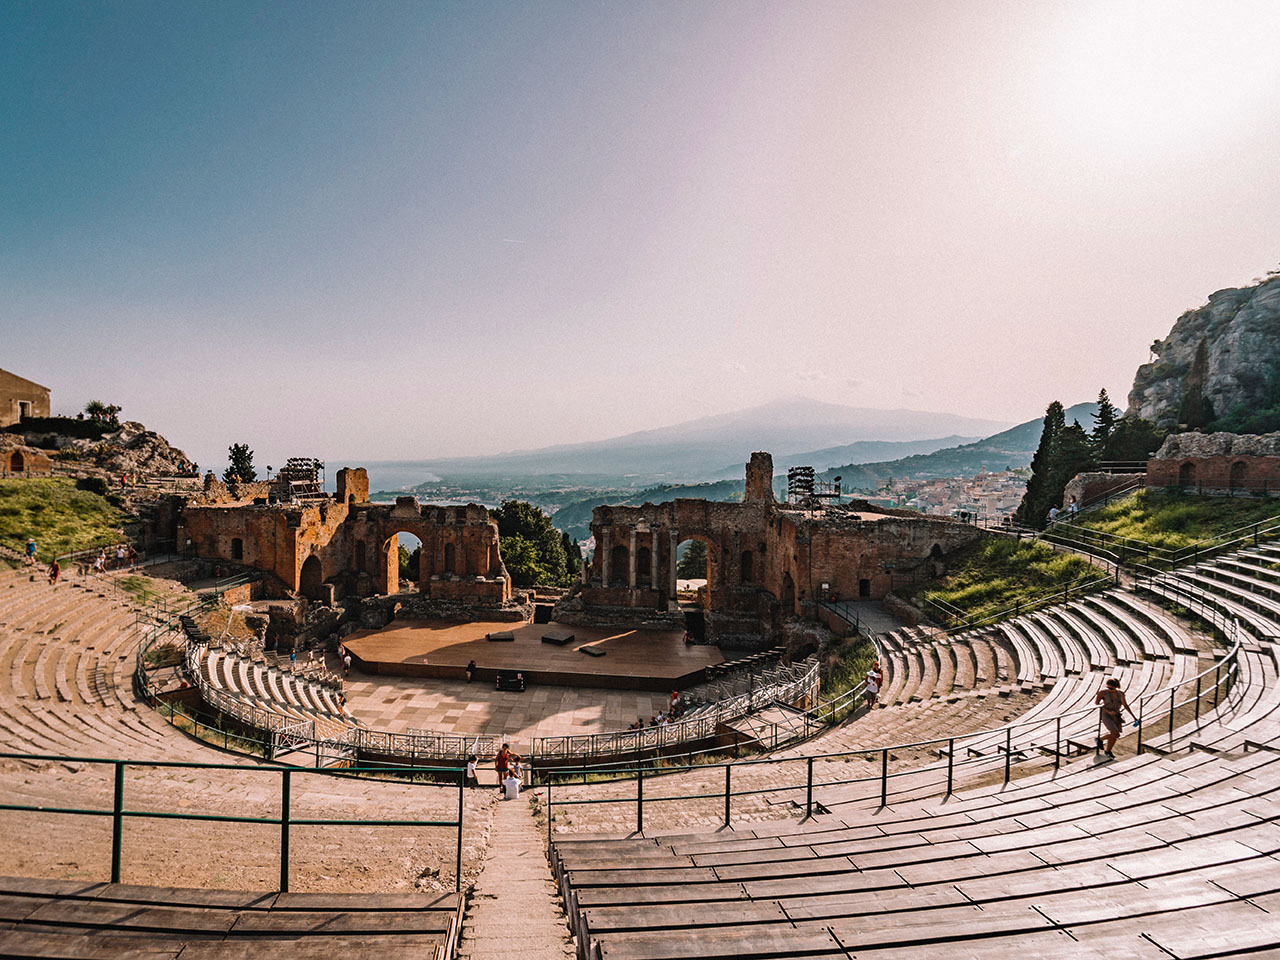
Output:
x,y
100,562
346,663
133,555
1053,514
873,689
471,671
502,763
54,572
510,788
1073,508
472,780
517,767
31,551
120,556
1111,700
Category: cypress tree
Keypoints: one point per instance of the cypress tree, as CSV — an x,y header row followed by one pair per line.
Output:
x,y
1104,421
1035,502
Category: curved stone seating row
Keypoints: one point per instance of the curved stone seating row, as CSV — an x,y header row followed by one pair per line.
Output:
x,y
66,666
268,687
1143,857
51,918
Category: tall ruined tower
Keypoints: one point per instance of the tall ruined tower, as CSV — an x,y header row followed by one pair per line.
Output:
x,y
759,479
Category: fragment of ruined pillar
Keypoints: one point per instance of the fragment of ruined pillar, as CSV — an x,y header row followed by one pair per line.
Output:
x,y
631,560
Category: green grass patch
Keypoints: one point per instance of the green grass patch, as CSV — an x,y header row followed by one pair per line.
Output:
x,y
845,665
994,574
61,517
1174,520
139,587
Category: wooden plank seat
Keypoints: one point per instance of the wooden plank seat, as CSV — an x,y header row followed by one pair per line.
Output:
x,y
67,918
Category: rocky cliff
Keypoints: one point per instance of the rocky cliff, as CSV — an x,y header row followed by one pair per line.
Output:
x,y
130,448
1241,328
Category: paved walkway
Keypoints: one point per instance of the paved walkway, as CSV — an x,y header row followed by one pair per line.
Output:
x,y
514,910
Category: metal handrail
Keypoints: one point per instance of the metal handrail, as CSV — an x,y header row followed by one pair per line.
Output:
x,y
998,743
118,812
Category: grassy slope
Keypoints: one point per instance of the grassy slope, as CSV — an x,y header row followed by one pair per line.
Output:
x,y
990,575
1174,520
59,516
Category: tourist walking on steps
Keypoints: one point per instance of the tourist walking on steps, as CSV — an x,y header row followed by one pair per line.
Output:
x,y
54,572
873,688
31,551
1111,700
502,763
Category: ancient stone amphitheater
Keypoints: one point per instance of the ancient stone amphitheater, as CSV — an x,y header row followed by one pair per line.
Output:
x,y
968,816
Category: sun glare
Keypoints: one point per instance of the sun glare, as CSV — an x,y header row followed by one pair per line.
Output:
x,y
1141,78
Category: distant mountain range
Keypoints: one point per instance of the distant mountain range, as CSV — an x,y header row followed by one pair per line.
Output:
x,y
715,447
1011,448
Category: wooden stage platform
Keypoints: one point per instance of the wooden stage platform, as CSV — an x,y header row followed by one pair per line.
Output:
x,y
633,659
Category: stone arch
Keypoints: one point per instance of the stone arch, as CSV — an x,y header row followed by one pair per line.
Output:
x,y
1239,473
311,579
1187,474
935,552
392,551
360,556
450,558
237,548
620,566
17,463
864,588
745,571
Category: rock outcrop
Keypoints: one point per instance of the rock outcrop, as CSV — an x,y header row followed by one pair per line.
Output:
x,y
131,449
1241,328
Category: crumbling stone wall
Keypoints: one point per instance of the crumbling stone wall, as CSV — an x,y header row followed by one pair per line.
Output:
x,y
766,561
333,547
1217,463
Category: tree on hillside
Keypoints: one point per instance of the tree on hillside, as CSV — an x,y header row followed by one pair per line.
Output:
x,y
1074,453
572,555
532,548
1196,412
1260,417
1035,502
693,565
1104,421
1132,438
239,464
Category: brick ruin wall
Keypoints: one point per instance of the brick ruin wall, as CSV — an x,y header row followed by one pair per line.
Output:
x,y
1216,475
329,548
766,562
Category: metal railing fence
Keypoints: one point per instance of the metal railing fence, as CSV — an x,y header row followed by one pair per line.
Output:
x,y
993,750
119,813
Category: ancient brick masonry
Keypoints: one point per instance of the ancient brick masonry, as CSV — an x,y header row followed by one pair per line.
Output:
x,y
327,547
766,561
1218,463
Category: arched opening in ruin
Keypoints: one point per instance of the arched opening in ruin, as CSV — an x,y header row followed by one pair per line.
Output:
x,y
620,566
864,589
744,568
404,562
695,571
788,598
1238,473
450,559
361,556
311,579
644,567
237,548
17,463
1187,475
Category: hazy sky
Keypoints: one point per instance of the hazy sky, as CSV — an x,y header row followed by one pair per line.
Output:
x,y
401,230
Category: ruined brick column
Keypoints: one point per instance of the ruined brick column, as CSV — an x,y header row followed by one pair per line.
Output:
x,y
675,543
653,559
603,549
631,565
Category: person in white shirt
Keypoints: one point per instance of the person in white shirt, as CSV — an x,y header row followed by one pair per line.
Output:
x,y
511,787
472,779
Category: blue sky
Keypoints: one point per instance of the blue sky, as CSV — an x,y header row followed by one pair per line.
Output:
x,y
386,230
